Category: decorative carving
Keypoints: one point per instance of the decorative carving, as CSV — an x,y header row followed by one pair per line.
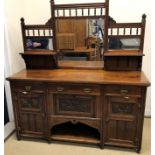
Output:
x,y
74,103
122,108
30,103
96,124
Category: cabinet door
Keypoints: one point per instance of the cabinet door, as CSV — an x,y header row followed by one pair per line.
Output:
x,y
75,105
121,122
32,112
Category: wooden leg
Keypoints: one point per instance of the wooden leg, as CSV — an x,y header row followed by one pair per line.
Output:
x,y
18,137
138,150
49,141
101,146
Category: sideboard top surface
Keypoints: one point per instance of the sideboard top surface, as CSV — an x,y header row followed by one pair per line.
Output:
x,y
82,76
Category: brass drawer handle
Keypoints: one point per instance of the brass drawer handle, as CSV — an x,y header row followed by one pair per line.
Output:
x,y
126,97
124,91
87,90
24,92
28,88
60,89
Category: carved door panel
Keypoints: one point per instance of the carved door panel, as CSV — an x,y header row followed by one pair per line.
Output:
x,y
77,105
32,113
121,122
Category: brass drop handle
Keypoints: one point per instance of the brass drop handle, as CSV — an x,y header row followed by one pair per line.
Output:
x,y
60,89
123,91
87,90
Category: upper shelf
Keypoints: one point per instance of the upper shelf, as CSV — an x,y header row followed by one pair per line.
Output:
x,y
123,53
39,52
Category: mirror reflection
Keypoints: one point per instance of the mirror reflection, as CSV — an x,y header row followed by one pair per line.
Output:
x,y
39,43
123,43
80,39
125,36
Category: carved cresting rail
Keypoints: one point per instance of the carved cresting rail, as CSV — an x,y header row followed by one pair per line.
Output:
x,y
80,11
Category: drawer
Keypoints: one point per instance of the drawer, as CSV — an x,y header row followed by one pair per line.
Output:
x,y
28,86
75,89
123,90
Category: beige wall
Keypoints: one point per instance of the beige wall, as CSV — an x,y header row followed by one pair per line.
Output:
x,y
13,12
38,12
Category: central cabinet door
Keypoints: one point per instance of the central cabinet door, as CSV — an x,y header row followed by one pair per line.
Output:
x,y
74,105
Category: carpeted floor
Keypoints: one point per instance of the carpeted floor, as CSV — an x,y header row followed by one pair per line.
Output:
x,y
38,147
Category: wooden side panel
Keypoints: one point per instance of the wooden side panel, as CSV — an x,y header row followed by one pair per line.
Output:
x,y
122,63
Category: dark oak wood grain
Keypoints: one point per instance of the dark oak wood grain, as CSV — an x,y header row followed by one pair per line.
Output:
x,y
102,105
77,101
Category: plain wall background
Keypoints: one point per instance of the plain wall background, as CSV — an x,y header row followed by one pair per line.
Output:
x,y
38,12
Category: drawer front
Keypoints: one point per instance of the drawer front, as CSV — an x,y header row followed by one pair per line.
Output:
x,y
28,87
123,90
75,89
76,105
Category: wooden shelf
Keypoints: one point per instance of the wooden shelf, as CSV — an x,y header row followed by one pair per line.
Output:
x,y
73,138
40,59
123,53
75,133
39,52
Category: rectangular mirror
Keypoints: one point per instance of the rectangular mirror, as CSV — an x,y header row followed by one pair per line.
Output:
x,y
80,39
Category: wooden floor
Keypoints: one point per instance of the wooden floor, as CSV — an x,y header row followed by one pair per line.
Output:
x,y
40,147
